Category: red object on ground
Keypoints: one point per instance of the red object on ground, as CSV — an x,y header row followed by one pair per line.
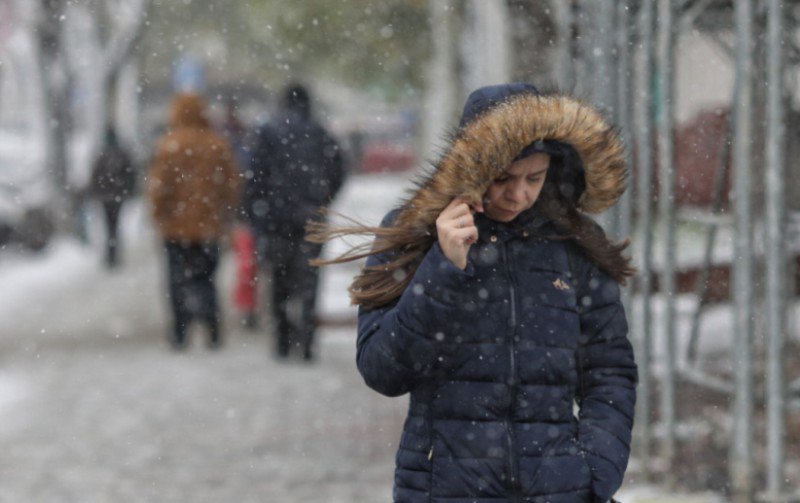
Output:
x,y
379,157
244,247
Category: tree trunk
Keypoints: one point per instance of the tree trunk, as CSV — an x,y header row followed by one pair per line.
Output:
x,y
442,91
486,44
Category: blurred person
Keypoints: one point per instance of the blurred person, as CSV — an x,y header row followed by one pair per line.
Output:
x,y
193,188
113,181
493,299
297,168
245,291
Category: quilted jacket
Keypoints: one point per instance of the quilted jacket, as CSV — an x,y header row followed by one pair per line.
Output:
x,y
519,368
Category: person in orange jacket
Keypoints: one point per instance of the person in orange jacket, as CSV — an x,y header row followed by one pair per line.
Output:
x,y
194,190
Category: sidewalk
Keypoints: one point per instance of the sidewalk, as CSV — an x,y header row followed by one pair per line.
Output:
x,y
95,408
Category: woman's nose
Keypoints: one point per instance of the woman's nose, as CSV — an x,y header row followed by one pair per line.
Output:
x,y
516,192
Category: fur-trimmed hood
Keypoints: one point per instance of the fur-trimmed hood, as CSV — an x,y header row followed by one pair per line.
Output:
x,y
498,124
486,146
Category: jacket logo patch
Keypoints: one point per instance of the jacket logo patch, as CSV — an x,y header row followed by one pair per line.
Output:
x,y
560,284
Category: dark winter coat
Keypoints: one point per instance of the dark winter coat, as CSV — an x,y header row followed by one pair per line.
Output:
x,y
296,168
495,356
113,175
194,182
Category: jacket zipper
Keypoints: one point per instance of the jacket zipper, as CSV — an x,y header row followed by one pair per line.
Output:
x,y
512,437
429,420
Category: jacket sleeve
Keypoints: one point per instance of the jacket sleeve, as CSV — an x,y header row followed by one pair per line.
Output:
x,y
608,382
256,192
231,178
161,184
397,345
334,165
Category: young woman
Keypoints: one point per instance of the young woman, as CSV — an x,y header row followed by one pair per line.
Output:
x,y
493,300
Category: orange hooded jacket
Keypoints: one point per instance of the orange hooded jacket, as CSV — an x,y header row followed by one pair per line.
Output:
x,y
193,183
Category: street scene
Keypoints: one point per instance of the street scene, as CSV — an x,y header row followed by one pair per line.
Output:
x,y
430,250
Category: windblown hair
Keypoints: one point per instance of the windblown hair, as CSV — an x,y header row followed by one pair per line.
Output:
x,y
379,285
477,155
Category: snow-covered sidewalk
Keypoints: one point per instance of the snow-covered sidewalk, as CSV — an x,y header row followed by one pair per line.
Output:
x,y
95,408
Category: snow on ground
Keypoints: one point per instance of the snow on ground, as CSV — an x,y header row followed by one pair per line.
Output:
x,y
94,407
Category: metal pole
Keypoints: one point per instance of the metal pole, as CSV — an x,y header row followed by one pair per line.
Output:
x,y
643,135
565,63
598,51
585,63
623,107
602,55
666,161
776,262
624,119
741,469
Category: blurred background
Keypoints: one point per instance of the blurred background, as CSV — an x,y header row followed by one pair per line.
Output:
x,y
93,406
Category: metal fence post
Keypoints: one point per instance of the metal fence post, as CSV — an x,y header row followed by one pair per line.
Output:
x,y
776,259
666,165
643,136
741,468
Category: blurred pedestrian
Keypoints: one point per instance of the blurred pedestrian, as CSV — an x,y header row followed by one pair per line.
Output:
x,y
297,168
245,291
235,131
193,187
493,298
113,181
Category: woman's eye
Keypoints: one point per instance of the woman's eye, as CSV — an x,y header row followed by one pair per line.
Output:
x,y
535,179
501,180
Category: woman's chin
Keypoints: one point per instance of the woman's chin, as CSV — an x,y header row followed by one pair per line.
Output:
x,y
502,215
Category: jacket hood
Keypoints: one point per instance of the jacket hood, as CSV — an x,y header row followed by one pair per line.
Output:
x,y
483,99
188,110
489,141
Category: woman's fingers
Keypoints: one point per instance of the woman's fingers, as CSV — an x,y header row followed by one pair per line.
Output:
x,y
465,236
457,216
455,209
457,231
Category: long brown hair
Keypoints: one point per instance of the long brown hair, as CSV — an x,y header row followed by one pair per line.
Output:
x,y
376,285
404,248
583,232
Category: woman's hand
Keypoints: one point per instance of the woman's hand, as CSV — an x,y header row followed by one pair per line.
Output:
x,y
456,230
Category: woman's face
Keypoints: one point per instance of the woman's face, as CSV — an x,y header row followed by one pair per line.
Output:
x,y
517,189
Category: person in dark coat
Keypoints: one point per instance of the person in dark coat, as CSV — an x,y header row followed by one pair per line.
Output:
x,y
493,299
112,183
194,191
245,292
297,168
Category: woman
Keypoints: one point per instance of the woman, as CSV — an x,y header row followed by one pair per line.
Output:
x,y
494,301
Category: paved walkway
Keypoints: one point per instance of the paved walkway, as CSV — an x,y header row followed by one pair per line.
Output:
x,y
95,408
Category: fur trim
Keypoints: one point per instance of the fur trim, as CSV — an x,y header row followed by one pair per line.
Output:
x,y
487,146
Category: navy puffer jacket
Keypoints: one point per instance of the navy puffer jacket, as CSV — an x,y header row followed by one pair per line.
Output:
x,y
296,167
493,357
